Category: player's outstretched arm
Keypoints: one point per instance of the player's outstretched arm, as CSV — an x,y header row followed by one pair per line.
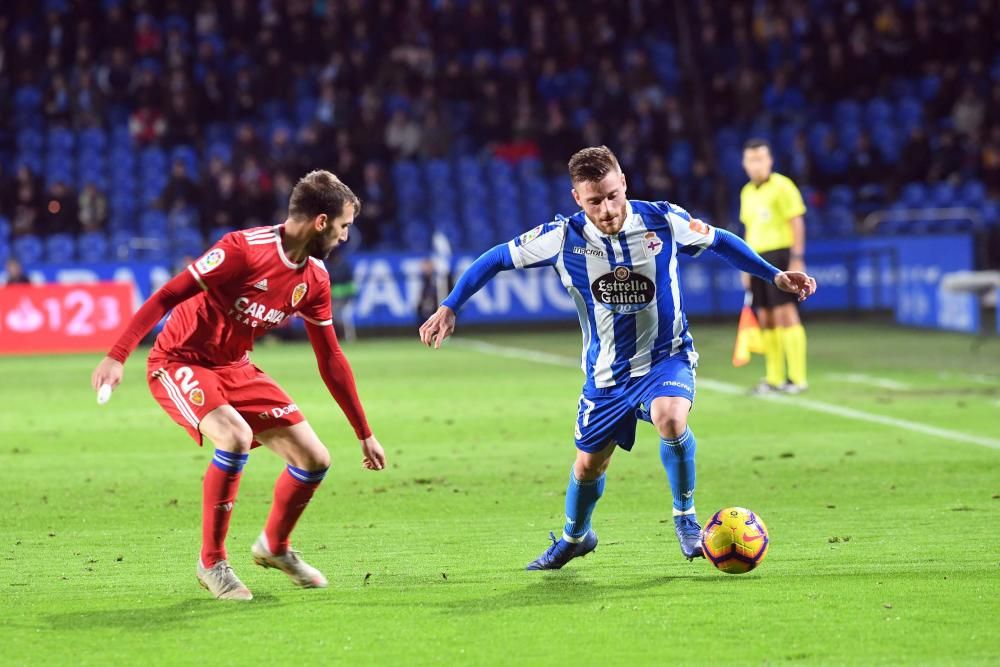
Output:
x,y
339,379
740,256
109,371
441,324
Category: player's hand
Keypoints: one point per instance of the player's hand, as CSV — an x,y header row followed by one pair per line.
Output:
x,y
796,282
438,326
745,279
108,372
373,456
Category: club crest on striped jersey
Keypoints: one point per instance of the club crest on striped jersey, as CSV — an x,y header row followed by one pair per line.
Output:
x,y
298,293
197,396
212,259
651,244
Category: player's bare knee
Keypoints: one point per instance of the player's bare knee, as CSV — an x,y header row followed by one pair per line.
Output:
x,y
237,437
318,459
671,424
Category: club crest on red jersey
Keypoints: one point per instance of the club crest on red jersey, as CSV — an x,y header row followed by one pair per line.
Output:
x,y
212,259
197,396
298,293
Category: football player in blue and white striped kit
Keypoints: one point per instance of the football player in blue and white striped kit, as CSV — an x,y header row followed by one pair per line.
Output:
x,y
618,260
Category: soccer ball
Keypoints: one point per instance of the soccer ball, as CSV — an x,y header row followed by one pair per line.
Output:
x,y
735,540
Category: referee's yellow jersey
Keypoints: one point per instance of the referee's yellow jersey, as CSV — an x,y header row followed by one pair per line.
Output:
x,y
766,210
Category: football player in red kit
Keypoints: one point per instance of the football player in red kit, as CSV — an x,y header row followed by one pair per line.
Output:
x,y
200,373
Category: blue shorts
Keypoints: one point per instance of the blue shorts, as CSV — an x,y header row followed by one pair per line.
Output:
x,y
610,415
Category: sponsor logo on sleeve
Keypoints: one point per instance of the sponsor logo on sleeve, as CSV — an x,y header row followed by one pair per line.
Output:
x,y
530,236
212,259
623,291
298,293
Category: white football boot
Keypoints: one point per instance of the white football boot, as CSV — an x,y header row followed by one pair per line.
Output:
x,y
300,572
222,582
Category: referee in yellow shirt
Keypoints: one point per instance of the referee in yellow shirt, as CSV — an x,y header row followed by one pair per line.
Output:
x,y
772,210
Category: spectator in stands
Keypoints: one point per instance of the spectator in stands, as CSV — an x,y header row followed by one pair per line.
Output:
x,y
969,113
181,189
991,161
61,215
402,135
866,169
915,157
435,136
27,203
15,274
224,205
379,208
93,208
58,101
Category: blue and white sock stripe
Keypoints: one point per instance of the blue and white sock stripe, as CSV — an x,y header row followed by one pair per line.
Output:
x,y
229,461
178,398
307,476
679,441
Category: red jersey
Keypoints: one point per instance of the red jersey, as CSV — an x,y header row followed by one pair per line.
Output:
x,y
243,286
250,286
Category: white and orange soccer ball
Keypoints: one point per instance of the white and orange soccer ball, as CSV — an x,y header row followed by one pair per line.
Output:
x,y
734,540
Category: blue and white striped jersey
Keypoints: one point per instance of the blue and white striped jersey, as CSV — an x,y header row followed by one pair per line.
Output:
x,y
625,286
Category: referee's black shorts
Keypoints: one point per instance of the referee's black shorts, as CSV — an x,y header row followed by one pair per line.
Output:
x,y
767,295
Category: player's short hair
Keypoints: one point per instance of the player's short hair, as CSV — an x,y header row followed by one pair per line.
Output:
x,y
592,164
756,142
320,192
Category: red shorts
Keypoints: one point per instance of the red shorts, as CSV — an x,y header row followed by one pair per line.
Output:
x,y
188,392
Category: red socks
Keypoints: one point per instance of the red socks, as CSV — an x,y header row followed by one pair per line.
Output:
x,y
292,492
222,481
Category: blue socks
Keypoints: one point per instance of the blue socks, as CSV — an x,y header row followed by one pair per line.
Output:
x,y
228,461
677,455
581,498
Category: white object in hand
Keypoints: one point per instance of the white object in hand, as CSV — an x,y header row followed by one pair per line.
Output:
x,y
103,394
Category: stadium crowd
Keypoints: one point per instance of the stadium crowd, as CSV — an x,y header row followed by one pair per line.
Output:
x,y
187,118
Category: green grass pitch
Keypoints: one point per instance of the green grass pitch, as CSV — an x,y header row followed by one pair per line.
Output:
x,y
885,541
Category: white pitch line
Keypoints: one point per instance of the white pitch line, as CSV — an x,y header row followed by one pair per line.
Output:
x,y
869,380
733,390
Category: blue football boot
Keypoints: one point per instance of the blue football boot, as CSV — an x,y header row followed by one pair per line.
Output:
x,y
562,552
689,535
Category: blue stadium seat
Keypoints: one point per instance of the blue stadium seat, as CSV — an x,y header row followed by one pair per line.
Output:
x,y
943,195
30,139
915,195
153,223
972,193
60,248
847,112
120,245
840,196
93,247
4,228
878,110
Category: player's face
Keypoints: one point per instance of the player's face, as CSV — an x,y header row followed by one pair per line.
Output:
x,y
757,162
332,233
603,201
